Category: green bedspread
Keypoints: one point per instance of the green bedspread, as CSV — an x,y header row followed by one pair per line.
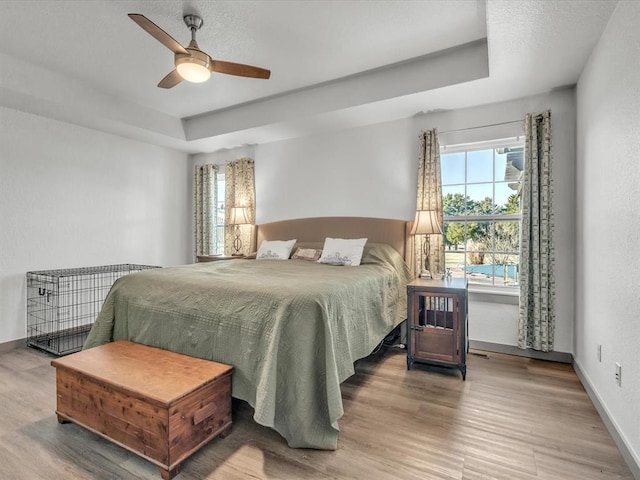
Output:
x,y
292,329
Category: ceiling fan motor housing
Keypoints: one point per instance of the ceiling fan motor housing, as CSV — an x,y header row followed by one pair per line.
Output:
x,y
193,22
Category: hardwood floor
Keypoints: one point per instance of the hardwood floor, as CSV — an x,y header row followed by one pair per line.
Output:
x,y
514,418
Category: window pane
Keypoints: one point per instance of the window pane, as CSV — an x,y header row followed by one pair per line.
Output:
x,y
507,198
514,164
453,200
479,273
511,272
220,215
506,240
455,261
455,234
480,166
487,253
220,239
501,164
480,199
478,240
452,168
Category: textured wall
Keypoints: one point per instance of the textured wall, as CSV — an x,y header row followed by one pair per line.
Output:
x,y
608,220
73,197
361,172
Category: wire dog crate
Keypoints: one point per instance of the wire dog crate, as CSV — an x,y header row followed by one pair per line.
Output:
x,y
63,304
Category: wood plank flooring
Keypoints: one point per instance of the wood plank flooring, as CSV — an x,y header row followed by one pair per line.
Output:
x,y
514,418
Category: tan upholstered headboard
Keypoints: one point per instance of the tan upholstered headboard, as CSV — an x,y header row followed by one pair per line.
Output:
x,y
377,230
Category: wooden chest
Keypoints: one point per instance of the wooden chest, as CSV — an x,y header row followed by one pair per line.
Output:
x,y
160,405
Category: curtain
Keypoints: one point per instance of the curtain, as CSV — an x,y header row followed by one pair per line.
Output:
x,y
240,191
206,200
537,285
429,197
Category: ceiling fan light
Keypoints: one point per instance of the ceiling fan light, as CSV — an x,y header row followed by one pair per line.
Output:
x,y
193,69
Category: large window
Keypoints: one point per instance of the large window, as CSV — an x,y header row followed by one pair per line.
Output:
x,y
481,204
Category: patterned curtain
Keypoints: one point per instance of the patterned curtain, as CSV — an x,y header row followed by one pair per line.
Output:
x,y
206,199
429,198
240,192
537,284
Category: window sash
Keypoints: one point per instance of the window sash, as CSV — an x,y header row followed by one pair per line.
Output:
x,y
497,217
494,280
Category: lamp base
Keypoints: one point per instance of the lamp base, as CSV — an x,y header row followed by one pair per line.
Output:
x,y
425,274
237,243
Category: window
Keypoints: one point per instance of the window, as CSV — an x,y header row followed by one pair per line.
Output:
x,y
218,216
481,189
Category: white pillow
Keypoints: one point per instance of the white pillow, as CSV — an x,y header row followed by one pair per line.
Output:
x,y
341,251
275,249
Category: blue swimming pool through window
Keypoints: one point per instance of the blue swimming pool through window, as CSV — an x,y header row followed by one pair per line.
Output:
x,y
512,270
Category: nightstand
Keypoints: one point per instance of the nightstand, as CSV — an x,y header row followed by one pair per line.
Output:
x,y
216,258
437,323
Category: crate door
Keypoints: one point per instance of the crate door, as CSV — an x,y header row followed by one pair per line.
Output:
x,y
435,330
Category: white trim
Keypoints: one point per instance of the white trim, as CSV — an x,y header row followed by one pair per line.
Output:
x,y
560,357
487,290
483,145
490,217
632,460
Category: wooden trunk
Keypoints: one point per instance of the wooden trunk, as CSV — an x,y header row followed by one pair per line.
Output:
x,y
161,405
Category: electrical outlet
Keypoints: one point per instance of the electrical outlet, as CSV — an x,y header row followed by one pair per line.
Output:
x,y
599,353
618,374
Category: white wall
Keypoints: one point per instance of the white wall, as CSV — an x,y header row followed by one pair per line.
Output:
x,y
73,197
363,172
608,221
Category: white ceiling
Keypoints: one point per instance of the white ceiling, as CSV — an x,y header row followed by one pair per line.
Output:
x,y
87,63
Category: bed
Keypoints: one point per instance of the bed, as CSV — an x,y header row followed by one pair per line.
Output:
x,y
292,329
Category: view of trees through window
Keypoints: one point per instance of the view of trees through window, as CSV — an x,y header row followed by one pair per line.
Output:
x,y
481,192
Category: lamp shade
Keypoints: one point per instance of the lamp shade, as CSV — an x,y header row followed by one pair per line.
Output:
x,y
239,216
426,223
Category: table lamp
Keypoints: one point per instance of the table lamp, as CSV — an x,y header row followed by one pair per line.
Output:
x,y
239,216
426,223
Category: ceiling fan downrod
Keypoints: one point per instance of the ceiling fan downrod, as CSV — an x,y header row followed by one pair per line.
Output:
x,y
193,23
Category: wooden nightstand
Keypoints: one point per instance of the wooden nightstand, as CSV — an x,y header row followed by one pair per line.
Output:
x,y
437,323
216,258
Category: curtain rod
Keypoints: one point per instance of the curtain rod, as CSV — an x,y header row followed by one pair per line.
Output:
x,y
482,126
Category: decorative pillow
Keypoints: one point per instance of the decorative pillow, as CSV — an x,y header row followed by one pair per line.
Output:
x,y
311,254
275,249
341,251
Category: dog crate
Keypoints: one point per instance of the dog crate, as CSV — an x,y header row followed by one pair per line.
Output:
x,y
63,304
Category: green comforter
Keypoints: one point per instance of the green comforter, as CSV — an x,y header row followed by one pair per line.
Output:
x,y
292,329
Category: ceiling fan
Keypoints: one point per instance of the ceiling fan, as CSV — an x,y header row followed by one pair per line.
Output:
x,y
192,64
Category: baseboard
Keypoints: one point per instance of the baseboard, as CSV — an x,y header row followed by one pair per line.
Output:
x,y
629,457
561,357
632,461
13,345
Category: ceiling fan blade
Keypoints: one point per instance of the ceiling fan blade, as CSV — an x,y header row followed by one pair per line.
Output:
x,y
171,80
157,33
239,69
